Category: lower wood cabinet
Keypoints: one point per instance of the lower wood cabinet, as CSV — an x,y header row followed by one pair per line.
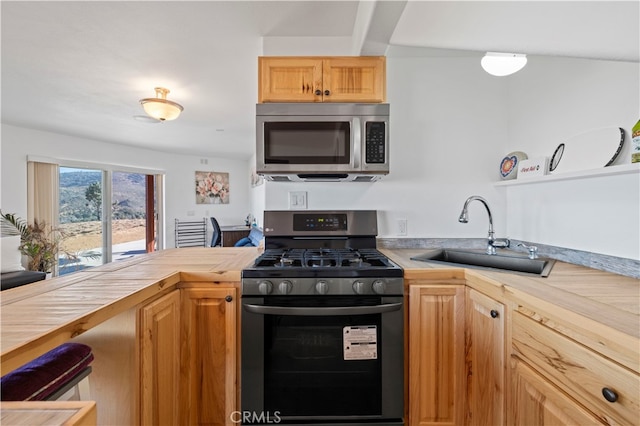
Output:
x,y
187,348
535,401
436,355
485,348
592,382
159,337
208,373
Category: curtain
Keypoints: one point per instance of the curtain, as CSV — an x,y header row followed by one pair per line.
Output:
x,y
43,199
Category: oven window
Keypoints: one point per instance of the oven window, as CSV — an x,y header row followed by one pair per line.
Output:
x,y
306,373
307,142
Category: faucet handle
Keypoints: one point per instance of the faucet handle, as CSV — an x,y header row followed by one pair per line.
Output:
x,y
533,250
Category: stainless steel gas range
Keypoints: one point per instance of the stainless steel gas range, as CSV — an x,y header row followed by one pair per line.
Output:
x,y
322,324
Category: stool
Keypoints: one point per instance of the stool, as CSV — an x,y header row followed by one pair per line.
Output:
x,y
49,376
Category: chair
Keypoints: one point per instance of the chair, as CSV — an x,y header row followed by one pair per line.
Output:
x,y
216,238
191,233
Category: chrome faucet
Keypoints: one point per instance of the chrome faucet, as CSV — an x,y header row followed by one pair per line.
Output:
x,y
492,242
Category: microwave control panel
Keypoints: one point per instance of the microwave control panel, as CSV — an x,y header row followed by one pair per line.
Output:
x,y
375,142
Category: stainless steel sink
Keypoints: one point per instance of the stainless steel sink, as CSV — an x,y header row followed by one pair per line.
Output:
x,y
475,259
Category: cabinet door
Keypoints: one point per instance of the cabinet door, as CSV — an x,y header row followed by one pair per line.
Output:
x,y
209,376
536,402
485,360
284,79
436,355
160,360
354,79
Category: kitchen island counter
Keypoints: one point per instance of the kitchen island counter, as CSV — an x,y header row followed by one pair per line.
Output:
x,y
40,316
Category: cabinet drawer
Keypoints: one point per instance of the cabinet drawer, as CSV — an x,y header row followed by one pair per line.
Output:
x,y
579,371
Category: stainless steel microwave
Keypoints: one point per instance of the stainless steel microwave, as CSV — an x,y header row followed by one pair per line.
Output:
x,y
322,141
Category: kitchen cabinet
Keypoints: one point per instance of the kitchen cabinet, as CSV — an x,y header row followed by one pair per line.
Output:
x,y
159,337
208,354
485,347
322,79
537,402
593,383
436,354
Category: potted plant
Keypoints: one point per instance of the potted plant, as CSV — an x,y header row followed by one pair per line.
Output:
x,y
38,241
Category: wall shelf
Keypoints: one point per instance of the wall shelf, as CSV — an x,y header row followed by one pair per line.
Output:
x,y
622,169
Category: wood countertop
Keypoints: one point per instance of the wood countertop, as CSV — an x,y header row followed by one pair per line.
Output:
x,y
38,317
50,413
602,308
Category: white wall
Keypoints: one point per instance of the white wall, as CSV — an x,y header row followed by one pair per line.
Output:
x,y
18,143
448,133
551,100
451,124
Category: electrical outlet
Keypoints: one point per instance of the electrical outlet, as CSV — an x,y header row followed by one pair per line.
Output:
x,y
297,200
402,226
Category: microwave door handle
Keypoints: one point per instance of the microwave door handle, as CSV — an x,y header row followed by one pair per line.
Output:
x,y
357,142
322,311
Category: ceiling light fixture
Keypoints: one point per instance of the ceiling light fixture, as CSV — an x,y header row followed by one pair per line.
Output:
x,y
501,64
160,107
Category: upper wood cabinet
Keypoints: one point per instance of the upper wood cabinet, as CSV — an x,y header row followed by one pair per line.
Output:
x,y
322,79
436,355
485,325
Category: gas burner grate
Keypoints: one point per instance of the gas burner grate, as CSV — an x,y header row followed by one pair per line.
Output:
x,y
322,258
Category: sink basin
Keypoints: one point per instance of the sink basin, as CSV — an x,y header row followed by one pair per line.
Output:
x,y
476,259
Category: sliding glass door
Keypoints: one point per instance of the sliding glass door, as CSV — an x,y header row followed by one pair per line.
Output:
x,y
106,216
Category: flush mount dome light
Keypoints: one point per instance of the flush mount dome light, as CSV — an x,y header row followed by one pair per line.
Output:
x,y
160,107
501,64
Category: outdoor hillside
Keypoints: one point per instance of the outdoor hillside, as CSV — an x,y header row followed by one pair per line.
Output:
x,y
128,201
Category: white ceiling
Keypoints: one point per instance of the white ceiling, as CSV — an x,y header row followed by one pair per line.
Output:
x,y
79,68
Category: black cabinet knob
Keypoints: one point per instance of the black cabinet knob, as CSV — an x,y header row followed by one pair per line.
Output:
x,y
327,93
494,313
318,92
228,298
609,395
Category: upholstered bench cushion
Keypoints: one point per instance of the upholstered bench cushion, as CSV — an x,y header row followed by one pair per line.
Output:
x,y
44,375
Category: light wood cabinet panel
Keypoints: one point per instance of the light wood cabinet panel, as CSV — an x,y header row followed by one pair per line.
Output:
x,y
536,402
160,360
208,353
485,324
289,79
322,79
354,79
436,355
578,370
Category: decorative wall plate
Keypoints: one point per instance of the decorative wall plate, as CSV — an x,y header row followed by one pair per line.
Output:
x,y
590,150
509,165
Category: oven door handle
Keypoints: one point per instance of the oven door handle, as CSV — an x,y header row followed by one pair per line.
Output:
x,y
322,311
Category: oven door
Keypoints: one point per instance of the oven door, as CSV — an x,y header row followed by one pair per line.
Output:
x,y
334,359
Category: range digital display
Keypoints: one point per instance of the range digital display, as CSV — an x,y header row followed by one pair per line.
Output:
x,y
319,222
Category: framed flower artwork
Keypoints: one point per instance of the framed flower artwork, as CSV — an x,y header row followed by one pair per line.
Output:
x,y
212,188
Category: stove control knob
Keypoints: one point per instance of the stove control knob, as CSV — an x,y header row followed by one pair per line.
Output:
x,y
322,287
265,287
285,287
379,287
358,287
